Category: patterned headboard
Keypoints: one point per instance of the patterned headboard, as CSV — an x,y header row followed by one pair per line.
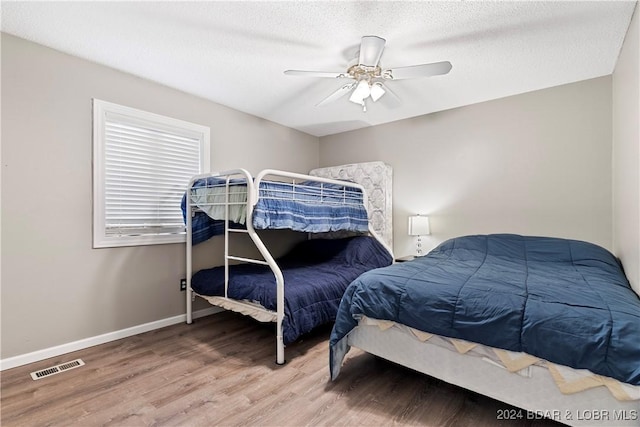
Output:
x,y
377,180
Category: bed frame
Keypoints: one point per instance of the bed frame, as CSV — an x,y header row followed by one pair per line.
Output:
x,y
252,187
537,394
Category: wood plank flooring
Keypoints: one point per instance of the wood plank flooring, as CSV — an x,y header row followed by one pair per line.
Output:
x,y
221,371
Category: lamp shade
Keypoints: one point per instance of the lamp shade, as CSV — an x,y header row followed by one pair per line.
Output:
x,y
419,225
361,92
376,91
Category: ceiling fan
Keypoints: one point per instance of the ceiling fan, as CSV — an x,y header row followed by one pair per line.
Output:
x,y
368,76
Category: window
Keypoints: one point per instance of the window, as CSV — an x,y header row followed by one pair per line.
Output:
x,y
142,164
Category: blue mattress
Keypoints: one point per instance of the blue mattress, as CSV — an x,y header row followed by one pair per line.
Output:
x,y
316,273
565,301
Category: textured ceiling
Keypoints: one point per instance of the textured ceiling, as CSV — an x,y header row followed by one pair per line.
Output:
x,y
234,53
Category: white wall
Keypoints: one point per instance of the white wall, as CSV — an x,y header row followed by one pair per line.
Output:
x,y
626,154
537,163
56,289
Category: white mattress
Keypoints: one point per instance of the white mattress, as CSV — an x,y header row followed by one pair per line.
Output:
x,y
479,369
248,308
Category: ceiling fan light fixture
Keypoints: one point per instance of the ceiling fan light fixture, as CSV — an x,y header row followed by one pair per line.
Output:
x,y
367,77
361,92
376,91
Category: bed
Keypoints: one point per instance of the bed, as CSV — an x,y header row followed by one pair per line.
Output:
x,y
302,289
316,273
547,325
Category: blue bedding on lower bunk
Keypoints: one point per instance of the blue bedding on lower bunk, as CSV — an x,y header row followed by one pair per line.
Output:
x,y
316,273
562,300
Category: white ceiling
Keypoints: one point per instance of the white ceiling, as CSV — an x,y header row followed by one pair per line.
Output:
x,y
234,53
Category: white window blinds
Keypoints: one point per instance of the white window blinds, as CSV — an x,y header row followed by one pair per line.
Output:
x,y
144,163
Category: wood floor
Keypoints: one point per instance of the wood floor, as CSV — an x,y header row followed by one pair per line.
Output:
x,y
221,371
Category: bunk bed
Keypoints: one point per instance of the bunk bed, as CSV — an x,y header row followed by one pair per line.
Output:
x,y
548,325
302,289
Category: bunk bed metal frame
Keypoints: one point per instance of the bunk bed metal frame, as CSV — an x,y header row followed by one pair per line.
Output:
x,y
253,193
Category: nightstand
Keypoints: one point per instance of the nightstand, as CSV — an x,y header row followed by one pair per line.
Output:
x,y
405,258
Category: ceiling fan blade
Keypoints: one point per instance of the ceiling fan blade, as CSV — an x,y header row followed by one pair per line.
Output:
x,y
316,74
390,99
342,91
371,48
413,71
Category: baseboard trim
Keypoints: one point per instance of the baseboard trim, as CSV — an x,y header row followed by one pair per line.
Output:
x,y
36,356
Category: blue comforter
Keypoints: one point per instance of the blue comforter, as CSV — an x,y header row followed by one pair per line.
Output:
x,y
316,273
565,301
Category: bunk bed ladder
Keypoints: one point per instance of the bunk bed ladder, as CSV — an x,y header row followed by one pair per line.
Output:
x,y
266,255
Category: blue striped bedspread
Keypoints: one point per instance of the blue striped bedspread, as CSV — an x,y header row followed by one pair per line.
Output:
x,y
307,207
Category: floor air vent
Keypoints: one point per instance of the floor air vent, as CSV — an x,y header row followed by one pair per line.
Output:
x,y
47,372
